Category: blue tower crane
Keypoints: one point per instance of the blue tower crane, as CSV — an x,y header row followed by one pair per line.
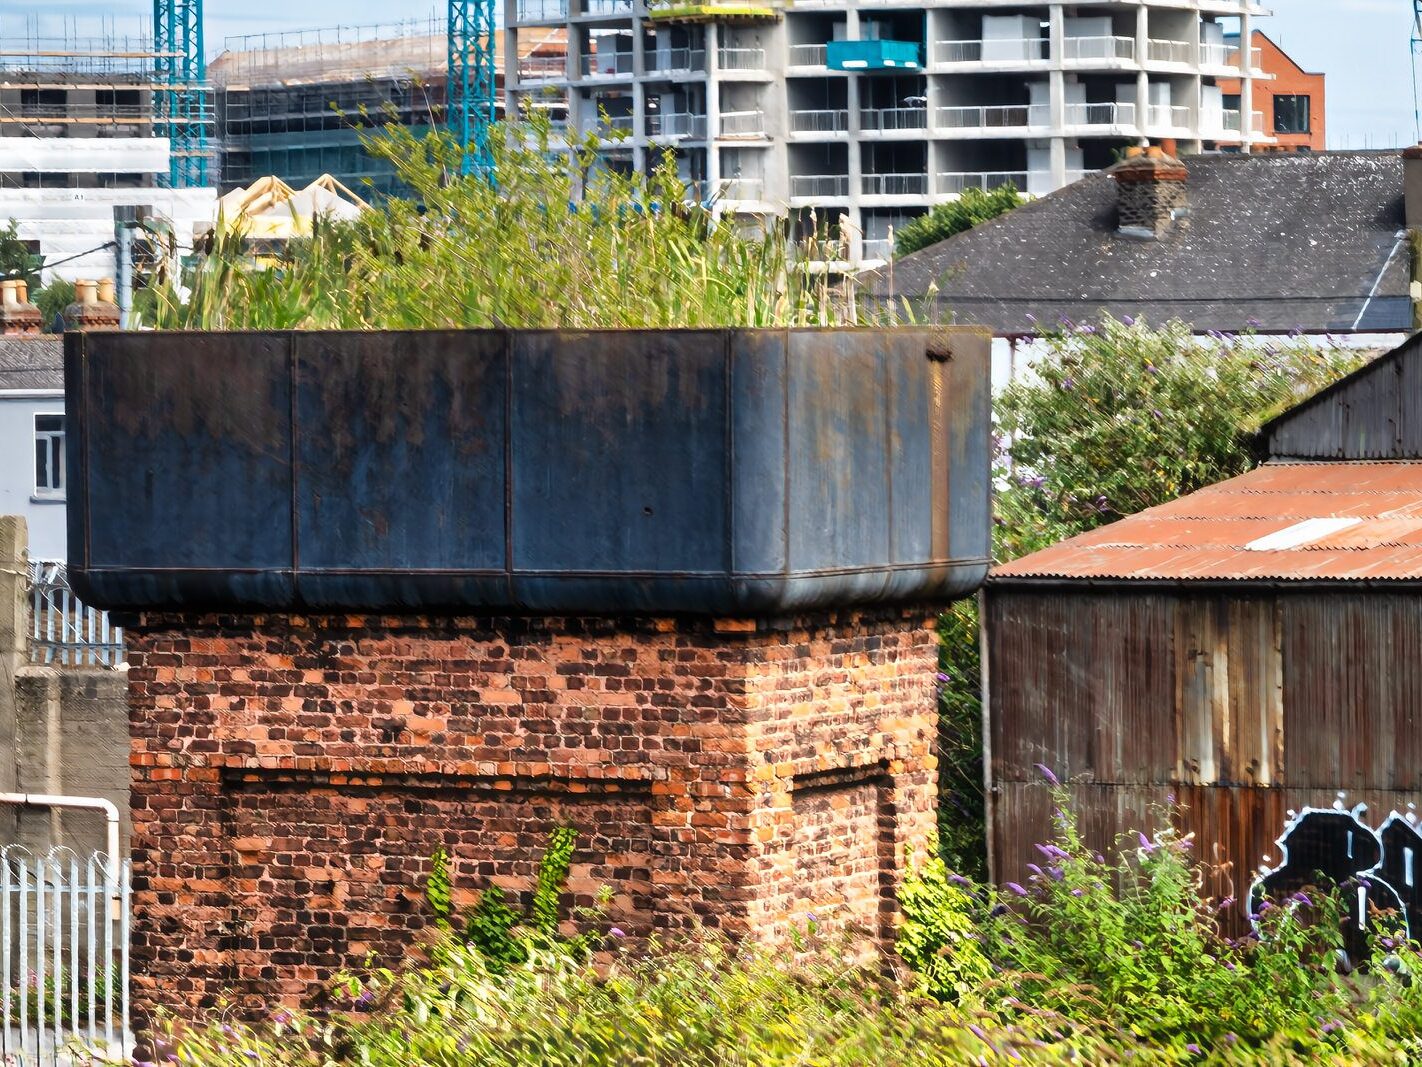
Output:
x,y
471,93
182,109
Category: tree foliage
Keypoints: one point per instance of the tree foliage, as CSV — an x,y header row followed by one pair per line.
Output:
x,y
16,260
972,207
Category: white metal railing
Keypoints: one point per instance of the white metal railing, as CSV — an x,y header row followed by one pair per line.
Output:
x,y
893,118
741,188
742,123
676,124
893,184
1229,120
1158,51
1086,49
615,122
819,185
1169,116
606,7
607,64
808,55
64,972
824,120
542,10
1101,114
673,59
1008,50
541,68
734,58
956,181
63,630
1219,55
877,247
993,117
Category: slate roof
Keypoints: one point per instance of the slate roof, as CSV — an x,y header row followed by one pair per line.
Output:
x,y
32,362
1329,521
1288,240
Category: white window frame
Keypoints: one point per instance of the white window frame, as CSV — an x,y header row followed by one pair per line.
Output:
x,y
50,492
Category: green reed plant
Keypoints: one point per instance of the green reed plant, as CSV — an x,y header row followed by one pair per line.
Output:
x,y
559,241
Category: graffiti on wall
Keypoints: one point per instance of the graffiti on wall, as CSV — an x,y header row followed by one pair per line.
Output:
x,y
1380,870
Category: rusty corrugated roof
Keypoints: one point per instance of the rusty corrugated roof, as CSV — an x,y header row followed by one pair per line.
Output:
x,y
1283,521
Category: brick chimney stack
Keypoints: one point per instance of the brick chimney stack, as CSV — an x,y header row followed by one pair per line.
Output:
x,y
1412,187
17,314
1150,192
93,307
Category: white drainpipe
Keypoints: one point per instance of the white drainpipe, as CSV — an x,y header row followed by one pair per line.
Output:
x,y
42,800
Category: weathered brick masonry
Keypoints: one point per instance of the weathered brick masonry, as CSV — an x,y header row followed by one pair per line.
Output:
x,y
292,775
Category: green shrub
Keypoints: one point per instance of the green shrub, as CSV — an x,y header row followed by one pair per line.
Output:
x,y
558,242
972,207
53,299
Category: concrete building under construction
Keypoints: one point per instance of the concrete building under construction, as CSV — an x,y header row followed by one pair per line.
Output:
x,y
85,130
297,105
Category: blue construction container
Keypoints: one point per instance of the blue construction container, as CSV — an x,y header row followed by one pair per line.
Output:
x,y
686,471
872,55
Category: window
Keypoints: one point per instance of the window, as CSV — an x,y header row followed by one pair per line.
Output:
x,y
1291,114
49,456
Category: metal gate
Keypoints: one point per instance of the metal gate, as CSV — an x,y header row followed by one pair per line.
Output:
x,y
64,924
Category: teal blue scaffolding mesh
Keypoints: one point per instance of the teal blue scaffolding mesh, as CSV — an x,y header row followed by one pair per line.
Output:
x,y
182,102
472,94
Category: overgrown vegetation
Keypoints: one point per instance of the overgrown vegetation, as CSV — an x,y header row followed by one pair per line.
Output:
x,y
973,206
1093,961
1114,417
16,259
560,241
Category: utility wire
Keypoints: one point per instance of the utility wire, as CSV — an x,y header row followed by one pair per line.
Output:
x,y
78,255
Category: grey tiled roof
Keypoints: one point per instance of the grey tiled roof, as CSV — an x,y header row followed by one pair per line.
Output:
x,y
32,362
1296,240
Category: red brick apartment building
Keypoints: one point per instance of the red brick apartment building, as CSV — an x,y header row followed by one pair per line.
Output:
x,y
1291,104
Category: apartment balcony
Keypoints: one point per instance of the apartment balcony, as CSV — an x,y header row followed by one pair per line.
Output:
x,y
607,65
953,182
537,70
893,119
1010,54
542,11
741,59
742,190
1002,120
819,186
614,123
677,61
741,124
809,55
893,184
877,248
826,121
1091,51
676,126
1108,119
872,55
1172,53
607,8
1165,119
1225,59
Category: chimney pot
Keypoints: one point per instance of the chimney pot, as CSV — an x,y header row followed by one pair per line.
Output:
x,y
17,314
90,311
85,291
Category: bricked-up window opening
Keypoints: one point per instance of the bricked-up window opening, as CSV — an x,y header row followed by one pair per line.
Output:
x,y
49,456
1291,114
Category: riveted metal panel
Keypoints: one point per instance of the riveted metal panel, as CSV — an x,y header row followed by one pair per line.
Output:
x,y
599,471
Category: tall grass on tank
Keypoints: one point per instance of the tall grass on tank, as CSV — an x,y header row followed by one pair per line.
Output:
x,y
558,241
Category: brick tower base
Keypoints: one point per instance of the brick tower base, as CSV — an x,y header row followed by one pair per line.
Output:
x,y
292,776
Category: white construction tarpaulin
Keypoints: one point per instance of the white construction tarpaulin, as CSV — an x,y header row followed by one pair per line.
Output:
x,y
84,155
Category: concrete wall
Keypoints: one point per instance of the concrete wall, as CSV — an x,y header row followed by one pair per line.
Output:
x,y
63,730
45,518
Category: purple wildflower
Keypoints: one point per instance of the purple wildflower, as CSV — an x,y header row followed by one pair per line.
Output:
x,y
1302,898
617,931
1128,320
1076,892
1147,846
1253,323
1016,889
1046,773
1331,1025
1052,852
1068,384
1193,1049
958,879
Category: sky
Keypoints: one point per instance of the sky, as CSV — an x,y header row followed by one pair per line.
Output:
x,y
1362,45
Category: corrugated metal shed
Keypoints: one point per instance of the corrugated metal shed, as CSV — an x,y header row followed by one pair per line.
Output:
x,y
1280,522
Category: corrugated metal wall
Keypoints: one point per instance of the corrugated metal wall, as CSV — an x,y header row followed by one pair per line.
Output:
x,y
1239,705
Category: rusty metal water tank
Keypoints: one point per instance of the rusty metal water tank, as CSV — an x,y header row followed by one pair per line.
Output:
x,y
683,471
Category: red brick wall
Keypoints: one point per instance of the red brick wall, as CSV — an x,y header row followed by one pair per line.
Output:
x,y
1289,79
293,775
